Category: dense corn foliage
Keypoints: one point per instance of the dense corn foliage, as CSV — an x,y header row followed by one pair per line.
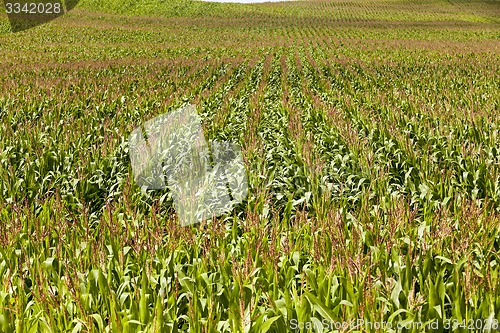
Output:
x,y
371,136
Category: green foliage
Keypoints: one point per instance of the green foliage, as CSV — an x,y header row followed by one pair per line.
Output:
x,y
370,132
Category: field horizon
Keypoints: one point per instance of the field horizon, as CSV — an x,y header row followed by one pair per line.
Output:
x,y
370,134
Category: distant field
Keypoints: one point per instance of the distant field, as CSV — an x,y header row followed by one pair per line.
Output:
x,y
371,136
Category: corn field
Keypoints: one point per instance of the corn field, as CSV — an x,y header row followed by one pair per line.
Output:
x,y
370,132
